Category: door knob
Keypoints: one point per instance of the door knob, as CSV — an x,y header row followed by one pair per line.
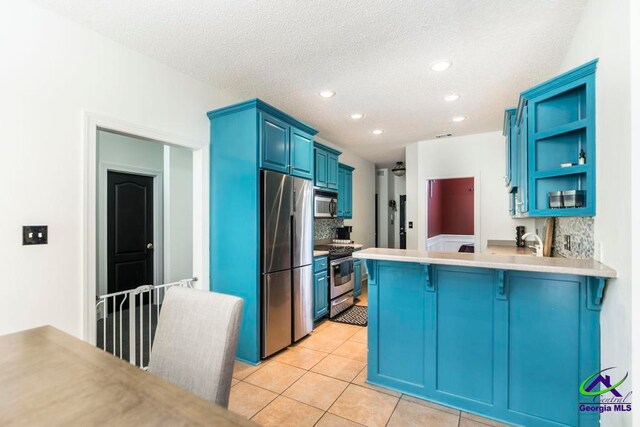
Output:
x,y
149,245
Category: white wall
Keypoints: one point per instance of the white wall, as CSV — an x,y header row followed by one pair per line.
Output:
x,y
53,70
604,32
363,195
412,186
480,156
179,237
382,190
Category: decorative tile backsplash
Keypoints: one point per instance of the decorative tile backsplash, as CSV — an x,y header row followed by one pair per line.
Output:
x,y
326,228
579,228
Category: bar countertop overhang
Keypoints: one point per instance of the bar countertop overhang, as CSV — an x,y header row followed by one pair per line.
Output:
x,y
580,267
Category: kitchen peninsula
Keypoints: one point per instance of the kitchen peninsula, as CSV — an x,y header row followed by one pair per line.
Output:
x,y
506,337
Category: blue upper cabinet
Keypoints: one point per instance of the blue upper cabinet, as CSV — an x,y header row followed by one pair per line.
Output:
x,y
320,168
555,146
301,154
341,184
326,167
274,135
332,171
345,191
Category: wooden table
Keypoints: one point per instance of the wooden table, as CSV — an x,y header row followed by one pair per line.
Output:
x,y
50,378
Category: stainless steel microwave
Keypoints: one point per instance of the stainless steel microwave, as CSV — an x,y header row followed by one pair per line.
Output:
x,y
325,204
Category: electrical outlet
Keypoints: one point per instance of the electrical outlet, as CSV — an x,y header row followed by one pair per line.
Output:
x,y
410,224
567,242
35,235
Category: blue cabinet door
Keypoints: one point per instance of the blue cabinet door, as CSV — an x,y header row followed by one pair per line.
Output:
x,y
301,154
332,171
357,277
320,295
321,168
341,192
274,144
348,198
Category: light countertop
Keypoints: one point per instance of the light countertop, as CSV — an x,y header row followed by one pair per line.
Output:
x,y
580,267
355,246
508,250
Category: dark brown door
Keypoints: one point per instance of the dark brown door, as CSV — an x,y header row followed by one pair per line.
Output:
x,y
129,231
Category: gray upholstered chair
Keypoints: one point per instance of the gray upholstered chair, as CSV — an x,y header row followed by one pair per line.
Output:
x,y
196,341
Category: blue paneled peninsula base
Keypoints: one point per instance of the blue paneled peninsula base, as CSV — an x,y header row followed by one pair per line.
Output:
x,y
506,337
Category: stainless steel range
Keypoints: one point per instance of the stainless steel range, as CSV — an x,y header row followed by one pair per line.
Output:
x,y
340,278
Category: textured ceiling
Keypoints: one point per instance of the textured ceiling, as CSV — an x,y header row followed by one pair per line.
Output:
x,y
375,54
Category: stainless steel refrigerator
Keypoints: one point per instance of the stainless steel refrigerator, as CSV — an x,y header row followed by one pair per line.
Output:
x,y
286,264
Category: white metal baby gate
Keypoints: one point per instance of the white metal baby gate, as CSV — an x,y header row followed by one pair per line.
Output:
x,y
127,320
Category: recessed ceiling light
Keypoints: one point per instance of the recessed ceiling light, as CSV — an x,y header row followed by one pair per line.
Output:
x,y
459,118
356,116
377,131
327,93
442,65
452,97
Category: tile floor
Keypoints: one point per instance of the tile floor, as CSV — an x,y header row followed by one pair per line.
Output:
x,y
320,381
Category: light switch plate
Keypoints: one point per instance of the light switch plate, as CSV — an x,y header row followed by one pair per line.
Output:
x,y
35,235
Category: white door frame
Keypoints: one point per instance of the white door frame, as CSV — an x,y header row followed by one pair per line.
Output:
x,y
476,206
94,122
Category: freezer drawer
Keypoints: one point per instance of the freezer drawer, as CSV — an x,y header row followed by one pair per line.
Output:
x,y
276,312
302,301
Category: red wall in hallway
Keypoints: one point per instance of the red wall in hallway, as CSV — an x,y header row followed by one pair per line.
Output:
x,y
451,207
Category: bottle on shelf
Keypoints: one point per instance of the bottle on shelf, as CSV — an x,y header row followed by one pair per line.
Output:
x,y
582,158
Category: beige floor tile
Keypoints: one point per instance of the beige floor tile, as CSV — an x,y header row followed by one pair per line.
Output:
x,y
242,370
339,331
330,420
352,350
234,381
473,420
316,390
287,412
275,376
360,336
339,367
361,379
300,357
321,325
430,404
364,406
408,414
247,400
320,342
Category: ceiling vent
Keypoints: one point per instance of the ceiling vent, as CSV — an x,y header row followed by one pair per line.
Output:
x,y
444,135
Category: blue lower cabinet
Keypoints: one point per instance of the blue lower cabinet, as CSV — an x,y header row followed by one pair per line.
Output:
x,y
357,277
320,295
509,345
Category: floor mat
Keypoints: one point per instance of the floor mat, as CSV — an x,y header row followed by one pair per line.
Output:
x,y
356,315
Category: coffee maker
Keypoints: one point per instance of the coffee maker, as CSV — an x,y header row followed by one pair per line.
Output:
x,y
344,233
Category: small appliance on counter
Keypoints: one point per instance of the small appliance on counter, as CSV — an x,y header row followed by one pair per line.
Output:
x,y
519,233
344,233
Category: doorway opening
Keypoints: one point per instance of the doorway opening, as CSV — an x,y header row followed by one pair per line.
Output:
x,y
144,216
451,215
